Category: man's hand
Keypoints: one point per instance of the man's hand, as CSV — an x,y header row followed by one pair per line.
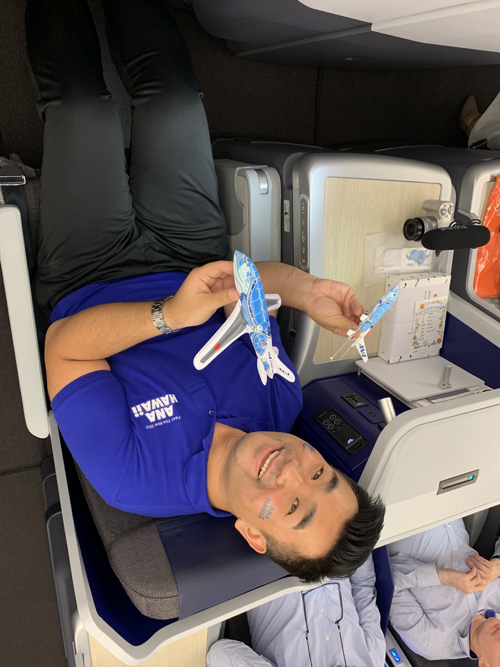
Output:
x,y
488,569
206,289
466,582
334,306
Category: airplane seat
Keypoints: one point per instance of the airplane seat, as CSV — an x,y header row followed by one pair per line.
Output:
x,y
135,583
125,578
330,203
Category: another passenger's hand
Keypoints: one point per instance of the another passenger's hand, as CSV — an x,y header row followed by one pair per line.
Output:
x,y
466,582
334,306
206,289
488,569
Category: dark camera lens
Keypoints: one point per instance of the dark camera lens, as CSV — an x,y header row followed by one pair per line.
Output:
x,y
413,229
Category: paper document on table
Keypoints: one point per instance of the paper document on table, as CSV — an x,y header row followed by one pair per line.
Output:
x,y
414,327
428,324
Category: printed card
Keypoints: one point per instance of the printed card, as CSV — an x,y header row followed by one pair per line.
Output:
x,y
428,326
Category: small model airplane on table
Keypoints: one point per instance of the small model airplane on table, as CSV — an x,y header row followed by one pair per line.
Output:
x,y
367,321
250,315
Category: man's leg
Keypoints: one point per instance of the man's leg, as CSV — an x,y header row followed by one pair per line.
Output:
x,y
88,228
172,175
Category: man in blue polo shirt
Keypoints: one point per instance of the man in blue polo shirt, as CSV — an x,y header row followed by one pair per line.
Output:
x,y
130,270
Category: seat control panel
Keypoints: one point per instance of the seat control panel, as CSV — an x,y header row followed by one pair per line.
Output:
x,y
304,232
340,430
354,400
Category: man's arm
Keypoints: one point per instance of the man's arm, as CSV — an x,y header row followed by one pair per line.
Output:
x,y
80,344
363,592
292,284
333,305
230,653
408,572
416,627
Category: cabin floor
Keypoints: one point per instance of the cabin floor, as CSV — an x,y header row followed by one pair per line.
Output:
x,y
241,98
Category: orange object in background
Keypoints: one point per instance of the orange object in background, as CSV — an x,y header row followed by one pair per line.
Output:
x,y
487,274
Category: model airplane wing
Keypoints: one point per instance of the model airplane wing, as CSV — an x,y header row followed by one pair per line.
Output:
x,y
234,327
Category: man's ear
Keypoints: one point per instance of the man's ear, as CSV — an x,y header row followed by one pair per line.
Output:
x,y
481,662
254,538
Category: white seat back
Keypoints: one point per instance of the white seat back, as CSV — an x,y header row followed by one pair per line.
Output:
x,y
338,200
420,452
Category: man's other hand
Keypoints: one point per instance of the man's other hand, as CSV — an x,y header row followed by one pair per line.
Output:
x,y
488,569
334,306
206,289
466,582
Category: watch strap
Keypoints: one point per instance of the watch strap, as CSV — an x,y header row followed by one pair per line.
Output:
x,y
157,315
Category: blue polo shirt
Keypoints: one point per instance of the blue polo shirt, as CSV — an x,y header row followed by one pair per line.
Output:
x,y
142,433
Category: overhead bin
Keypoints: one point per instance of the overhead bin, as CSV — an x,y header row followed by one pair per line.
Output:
x,y
470,25
344,35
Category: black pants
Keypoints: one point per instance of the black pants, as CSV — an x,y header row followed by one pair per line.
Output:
x,y
98,222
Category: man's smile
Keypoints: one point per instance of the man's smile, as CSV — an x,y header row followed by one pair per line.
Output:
x,y
266,458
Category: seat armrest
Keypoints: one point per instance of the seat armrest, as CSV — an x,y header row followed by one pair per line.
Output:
x,y
22,321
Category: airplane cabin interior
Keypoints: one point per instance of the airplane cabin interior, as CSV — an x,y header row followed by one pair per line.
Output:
x,y
337,145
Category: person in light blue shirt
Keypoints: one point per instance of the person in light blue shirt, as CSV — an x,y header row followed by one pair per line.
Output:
x,y
446,597
335,624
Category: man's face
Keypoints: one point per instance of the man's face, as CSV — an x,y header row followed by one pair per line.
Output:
x,y
279,484
488,641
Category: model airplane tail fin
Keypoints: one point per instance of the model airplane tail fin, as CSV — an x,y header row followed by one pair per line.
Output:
x,y
262,371
360,346
279,367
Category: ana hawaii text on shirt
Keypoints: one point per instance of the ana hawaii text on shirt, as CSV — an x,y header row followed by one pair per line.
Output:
x,y
157,410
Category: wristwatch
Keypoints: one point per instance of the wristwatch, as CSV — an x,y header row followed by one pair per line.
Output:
x,y
157,314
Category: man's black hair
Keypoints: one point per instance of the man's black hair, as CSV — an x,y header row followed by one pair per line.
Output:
x,y
355,542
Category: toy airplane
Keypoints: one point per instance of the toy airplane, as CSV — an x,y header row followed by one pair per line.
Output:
x,y
250,315
368,321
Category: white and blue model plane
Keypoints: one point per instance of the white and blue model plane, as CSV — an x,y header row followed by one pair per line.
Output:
x,y
250,315
368,320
